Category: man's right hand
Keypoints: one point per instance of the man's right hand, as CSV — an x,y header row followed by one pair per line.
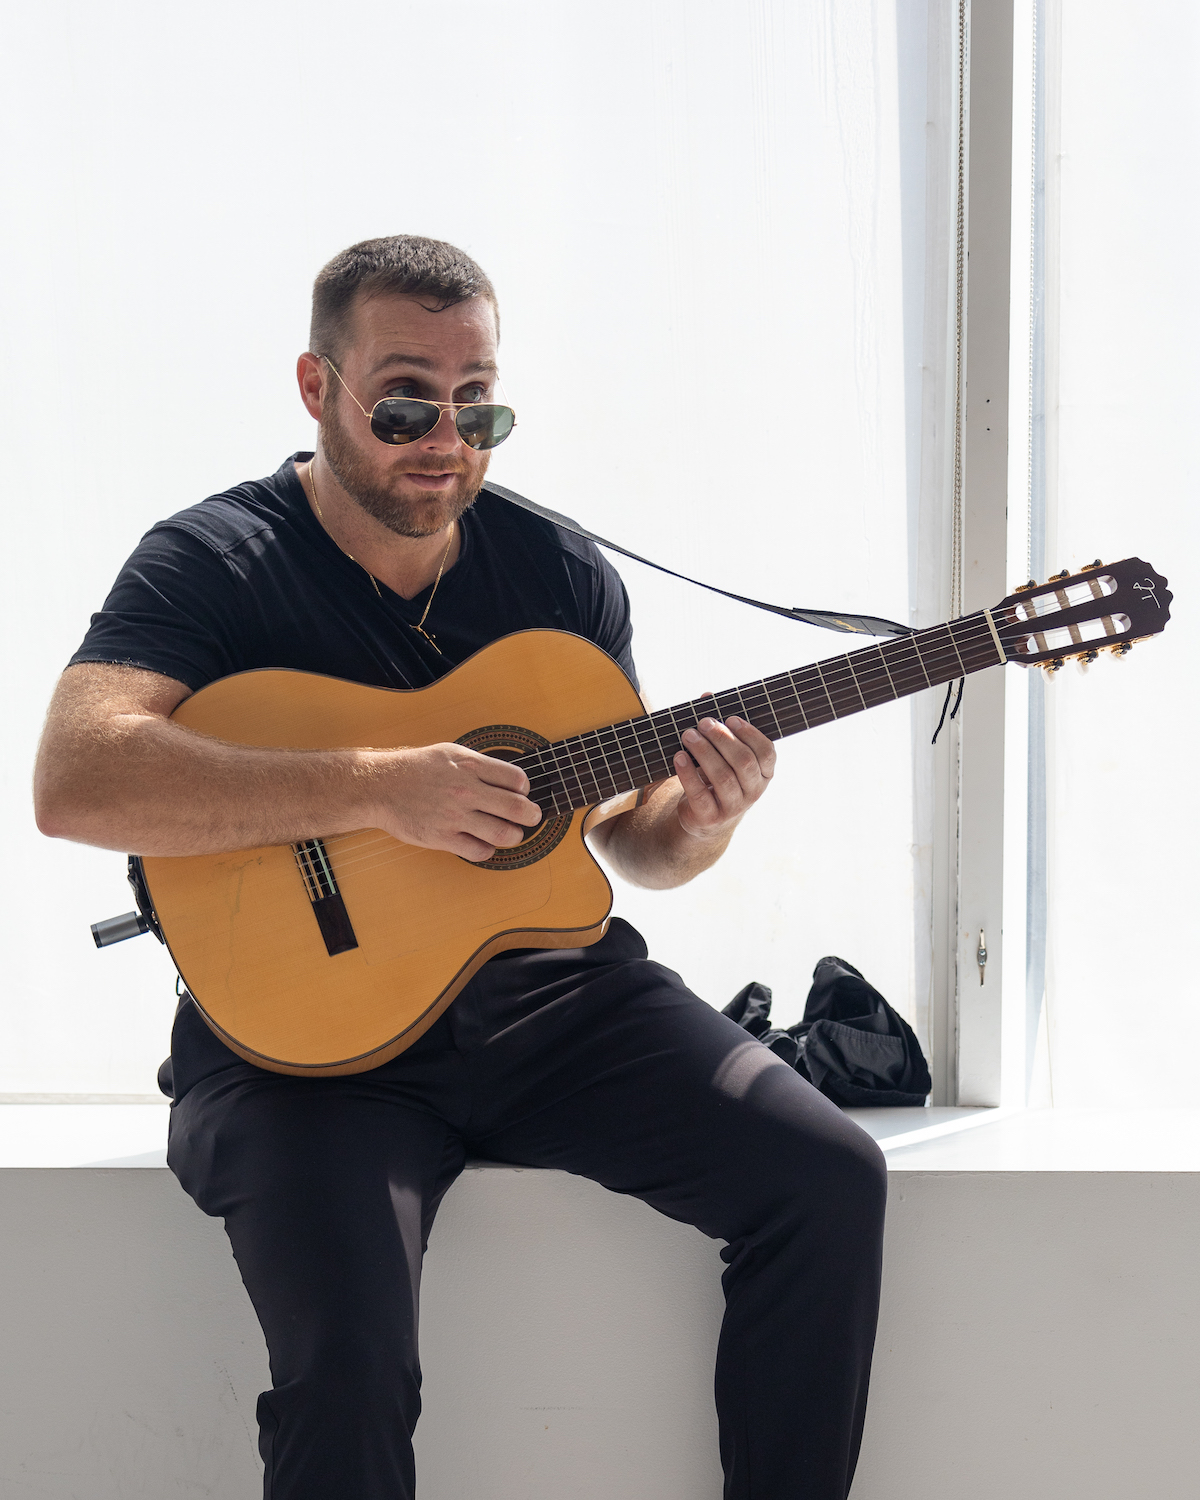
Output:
x,y
448,797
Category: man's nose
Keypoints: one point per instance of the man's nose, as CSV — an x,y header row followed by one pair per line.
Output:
x,y
443,436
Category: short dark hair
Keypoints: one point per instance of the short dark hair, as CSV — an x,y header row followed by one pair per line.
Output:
x,y
400,265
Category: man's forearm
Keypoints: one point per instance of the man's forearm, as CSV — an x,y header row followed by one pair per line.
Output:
x,y
147,786
651,848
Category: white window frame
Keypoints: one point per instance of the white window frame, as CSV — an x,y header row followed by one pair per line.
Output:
x,y
965,494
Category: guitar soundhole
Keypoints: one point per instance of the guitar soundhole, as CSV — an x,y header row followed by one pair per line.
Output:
x,y
510,742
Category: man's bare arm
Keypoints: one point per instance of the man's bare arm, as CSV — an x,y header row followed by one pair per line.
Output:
x,y
114,771
684,825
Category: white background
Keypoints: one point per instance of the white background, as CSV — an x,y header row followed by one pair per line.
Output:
x,y
670,198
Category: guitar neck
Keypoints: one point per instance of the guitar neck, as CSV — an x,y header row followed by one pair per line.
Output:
x,y
590,768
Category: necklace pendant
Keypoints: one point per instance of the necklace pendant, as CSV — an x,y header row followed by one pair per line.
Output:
x,y
431,639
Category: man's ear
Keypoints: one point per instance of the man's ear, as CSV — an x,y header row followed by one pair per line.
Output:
x,y
310,376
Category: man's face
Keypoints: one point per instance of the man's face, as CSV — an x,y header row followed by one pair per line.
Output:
x,y
398,347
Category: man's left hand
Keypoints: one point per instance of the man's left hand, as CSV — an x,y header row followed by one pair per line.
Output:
x,y
724,771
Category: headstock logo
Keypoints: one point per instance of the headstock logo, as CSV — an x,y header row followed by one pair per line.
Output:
x,y
1147,591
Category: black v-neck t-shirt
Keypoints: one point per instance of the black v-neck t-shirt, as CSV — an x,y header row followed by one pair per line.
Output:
x,y
249,578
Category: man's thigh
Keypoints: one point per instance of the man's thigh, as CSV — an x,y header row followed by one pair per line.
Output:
x,y
328,1189
640,1085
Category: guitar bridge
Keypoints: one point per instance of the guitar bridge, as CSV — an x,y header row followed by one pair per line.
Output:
x,y
328,906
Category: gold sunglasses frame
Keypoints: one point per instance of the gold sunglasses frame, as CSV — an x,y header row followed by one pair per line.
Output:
x,y
451,406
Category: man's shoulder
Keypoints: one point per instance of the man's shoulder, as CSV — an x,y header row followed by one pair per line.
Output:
x,y
228,520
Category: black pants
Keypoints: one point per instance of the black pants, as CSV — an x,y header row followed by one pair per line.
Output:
x,y
595,1061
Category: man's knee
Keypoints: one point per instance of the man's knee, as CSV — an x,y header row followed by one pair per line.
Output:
x,y
842,1174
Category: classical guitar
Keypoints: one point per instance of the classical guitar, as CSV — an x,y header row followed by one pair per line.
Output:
x,y
332,955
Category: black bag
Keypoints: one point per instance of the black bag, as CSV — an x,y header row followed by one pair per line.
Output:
x,y
851,1044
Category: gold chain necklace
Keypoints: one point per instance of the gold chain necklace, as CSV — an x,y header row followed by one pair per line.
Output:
x,y
419,627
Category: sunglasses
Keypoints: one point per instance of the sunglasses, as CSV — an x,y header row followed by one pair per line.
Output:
x,y
399,420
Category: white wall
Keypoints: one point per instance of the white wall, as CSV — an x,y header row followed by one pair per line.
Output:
x,y
669,196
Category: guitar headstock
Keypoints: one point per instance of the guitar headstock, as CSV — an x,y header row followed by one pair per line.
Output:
x,y
1106,607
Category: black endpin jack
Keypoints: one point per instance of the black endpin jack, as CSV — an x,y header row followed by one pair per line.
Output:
x,y
116,929
130,924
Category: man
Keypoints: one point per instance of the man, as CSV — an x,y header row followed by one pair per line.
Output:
x,y
380,559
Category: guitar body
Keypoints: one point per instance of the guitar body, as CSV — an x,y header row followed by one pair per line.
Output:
x,y
280,987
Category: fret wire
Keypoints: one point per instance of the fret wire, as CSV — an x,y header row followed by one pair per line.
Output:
x,y
629,771
657,739
563,773
911,640
631,725
608,770
558,782
748,713
645,747
757,691
771,706
576,743
857,684
887,669
668,759
949,631
878,682
833,684
799,701
581,749
825,685
983,643
608,758
929,649
813,688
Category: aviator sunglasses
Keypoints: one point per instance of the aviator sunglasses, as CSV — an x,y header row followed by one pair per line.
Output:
x,y
399,420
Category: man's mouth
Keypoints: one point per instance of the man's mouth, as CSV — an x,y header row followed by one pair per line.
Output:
x,y
425,481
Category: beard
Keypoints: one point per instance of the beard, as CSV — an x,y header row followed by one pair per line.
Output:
x,y
377,494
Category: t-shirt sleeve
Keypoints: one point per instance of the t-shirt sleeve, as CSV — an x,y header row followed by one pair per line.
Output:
x,y
173,609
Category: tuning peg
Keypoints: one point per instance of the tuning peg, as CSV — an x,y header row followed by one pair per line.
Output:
x,y
1023,588
1084,661
1095,563
1064,574
1053,666
1124,648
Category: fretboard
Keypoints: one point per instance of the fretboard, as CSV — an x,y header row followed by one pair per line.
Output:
x,y
590,768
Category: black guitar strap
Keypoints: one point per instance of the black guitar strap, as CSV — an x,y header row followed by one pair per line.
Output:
x,y
826,619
